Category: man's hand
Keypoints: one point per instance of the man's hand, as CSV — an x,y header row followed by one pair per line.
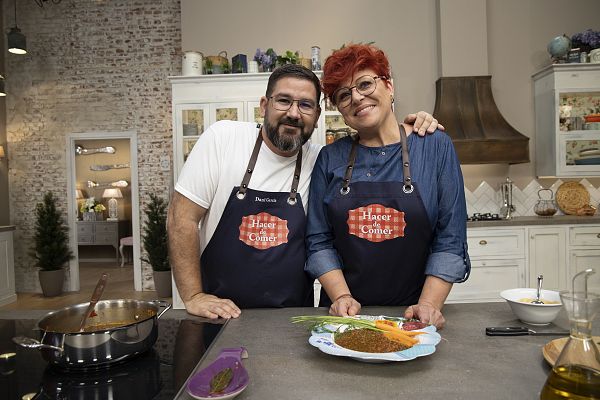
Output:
x,y
345,306
209,306
423,122
426,313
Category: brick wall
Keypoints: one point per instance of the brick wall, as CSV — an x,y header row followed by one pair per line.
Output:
x,y
91,66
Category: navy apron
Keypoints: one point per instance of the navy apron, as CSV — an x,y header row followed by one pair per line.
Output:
x,y
383,236
256,255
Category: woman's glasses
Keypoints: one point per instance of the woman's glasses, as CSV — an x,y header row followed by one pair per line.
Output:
x,y
365,85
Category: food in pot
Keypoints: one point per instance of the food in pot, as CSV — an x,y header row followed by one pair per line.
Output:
x,y
368,341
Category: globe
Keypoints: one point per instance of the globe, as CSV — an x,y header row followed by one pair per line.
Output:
x,y
559,46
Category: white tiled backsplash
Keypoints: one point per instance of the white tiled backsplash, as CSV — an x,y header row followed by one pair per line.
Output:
x,y
486,199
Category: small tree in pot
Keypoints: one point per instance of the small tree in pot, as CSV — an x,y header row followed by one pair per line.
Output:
x,y
51,246
156,244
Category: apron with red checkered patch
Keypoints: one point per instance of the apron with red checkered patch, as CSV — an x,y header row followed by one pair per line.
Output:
x,y
256,255
383,236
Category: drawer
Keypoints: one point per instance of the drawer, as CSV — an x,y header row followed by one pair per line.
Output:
x,y
486,243
85,229
488,278
84,239
105,239
576,79
106,228
584,236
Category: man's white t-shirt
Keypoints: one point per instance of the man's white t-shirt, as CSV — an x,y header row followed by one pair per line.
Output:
x,y
218,162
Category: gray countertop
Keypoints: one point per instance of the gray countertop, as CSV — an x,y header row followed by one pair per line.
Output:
x,y
535,220
5,228
467,364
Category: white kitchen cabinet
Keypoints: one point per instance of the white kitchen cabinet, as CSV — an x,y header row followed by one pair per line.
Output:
x,y
547,256
497,263
7,268
584,253
566,143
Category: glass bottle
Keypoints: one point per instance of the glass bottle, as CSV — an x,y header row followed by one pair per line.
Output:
x,y
576,372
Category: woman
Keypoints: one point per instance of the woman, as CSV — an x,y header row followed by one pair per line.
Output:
x,y
387,215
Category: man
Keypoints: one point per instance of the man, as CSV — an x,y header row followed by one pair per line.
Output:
x,y
248,186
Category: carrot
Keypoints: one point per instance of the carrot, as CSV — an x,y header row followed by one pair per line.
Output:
x,y
400,338
389,326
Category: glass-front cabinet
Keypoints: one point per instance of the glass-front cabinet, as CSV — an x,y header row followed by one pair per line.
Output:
x,y
567,115
199,101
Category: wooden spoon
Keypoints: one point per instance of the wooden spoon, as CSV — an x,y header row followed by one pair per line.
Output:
x,y
89,312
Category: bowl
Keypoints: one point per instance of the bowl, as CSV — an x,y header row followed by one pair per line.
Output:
x,y
533,314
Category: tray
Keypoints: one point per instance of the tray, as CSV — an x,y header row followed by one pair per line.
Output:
x,y
571,196
552,349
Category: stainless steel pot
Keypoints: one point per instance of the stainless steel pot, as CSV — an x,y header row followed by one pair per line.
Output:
x,y
121,329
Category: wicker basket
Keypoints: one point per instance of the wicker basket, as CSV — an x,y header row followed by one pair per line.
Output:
x,y
571,197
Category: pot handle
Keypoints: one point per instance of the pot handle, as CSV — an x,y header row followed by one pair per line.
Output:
x,y
162,303
30,343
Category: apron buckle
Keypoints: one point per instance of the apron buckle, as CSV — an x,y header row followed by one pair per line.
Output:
x,y
240,195
345,190
408,188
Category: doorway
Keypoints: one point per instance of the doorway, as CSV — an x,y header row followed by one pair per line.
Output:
x,y
103,166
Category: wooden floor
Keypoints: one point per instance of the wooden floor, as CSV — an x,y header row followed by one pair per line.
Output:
x,y
119,286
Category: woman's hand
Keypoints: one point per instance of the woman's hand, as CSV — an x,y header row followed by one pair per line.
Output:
x,y
209,306
345,306
426,313
423,122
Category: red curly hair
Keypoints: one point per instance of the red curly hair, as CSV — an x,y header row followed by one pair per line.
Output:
x,y
344,63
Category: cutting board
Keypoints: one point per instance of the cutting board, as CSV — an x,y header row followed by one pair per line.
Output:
x,y
552,349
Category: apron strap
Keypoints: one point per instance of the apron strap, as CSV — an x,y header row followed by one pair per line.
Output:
x,y
408,186
244,186
296,179
348,175
252,163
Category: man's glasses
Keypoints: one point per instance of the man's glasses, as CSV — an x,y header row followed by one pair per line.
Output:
x,y
365,85
283,103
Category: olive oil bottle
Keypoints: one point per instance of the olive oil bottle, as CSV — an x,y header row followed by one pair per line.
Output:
x,y
572,382
576,372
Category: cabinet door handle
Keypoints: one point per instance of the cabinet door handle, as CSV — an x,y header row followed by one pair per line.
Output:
x,y
598,236
483,242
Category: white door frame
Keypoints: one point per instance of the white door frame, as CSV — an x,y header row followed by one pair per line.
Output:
x,y
135,203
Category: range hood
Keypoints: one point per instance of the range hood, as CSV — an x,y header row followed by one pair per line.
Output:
x,y
481,135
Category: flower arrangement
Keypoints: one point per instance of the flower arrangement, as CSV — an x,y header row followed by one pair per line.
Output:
x,y
586,40
266,59
92,205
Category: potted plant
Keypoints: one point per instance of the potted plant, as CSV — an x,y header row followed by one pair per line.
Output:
x,y
51,246
288,57
156,245
91,210
266,60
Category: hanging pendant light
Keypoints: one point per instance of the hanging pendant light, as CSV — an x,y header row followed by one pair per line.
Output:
x,y
16,40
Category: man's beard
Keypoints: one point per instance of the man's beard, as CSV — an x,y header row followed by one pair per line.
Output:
x,y
284,142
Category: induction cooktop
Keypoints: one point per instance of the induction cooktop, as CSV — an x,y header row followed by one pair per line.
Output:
x,y
157,374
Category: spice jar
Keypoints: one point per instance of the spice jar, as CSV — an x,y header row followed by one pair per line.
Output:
x,y
545,207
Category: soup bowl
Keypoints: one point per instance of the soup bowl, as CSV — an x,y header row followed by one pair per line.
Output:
x,y
520,303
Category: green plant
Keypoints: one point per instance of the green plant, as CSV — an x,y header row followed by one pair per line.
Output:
x,y
225,67
155,234
288,58
51,239
208,66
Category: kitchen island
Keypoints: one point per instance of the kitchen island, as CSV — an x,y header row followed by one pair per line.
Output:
x,y
467,364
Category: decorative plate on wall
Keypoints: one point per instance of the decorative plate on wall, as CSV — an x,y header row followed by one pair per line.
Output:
x,y
572,196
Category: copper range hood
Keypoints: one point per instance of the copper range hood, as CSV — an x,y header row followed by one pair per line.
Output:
x,y
481,135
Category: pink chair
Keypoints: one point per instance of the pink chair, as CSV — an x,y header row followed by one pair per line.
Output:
x,y
126,241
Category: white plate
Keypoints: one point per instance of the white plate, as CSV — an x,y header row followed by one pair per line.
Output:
x,y
426,346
